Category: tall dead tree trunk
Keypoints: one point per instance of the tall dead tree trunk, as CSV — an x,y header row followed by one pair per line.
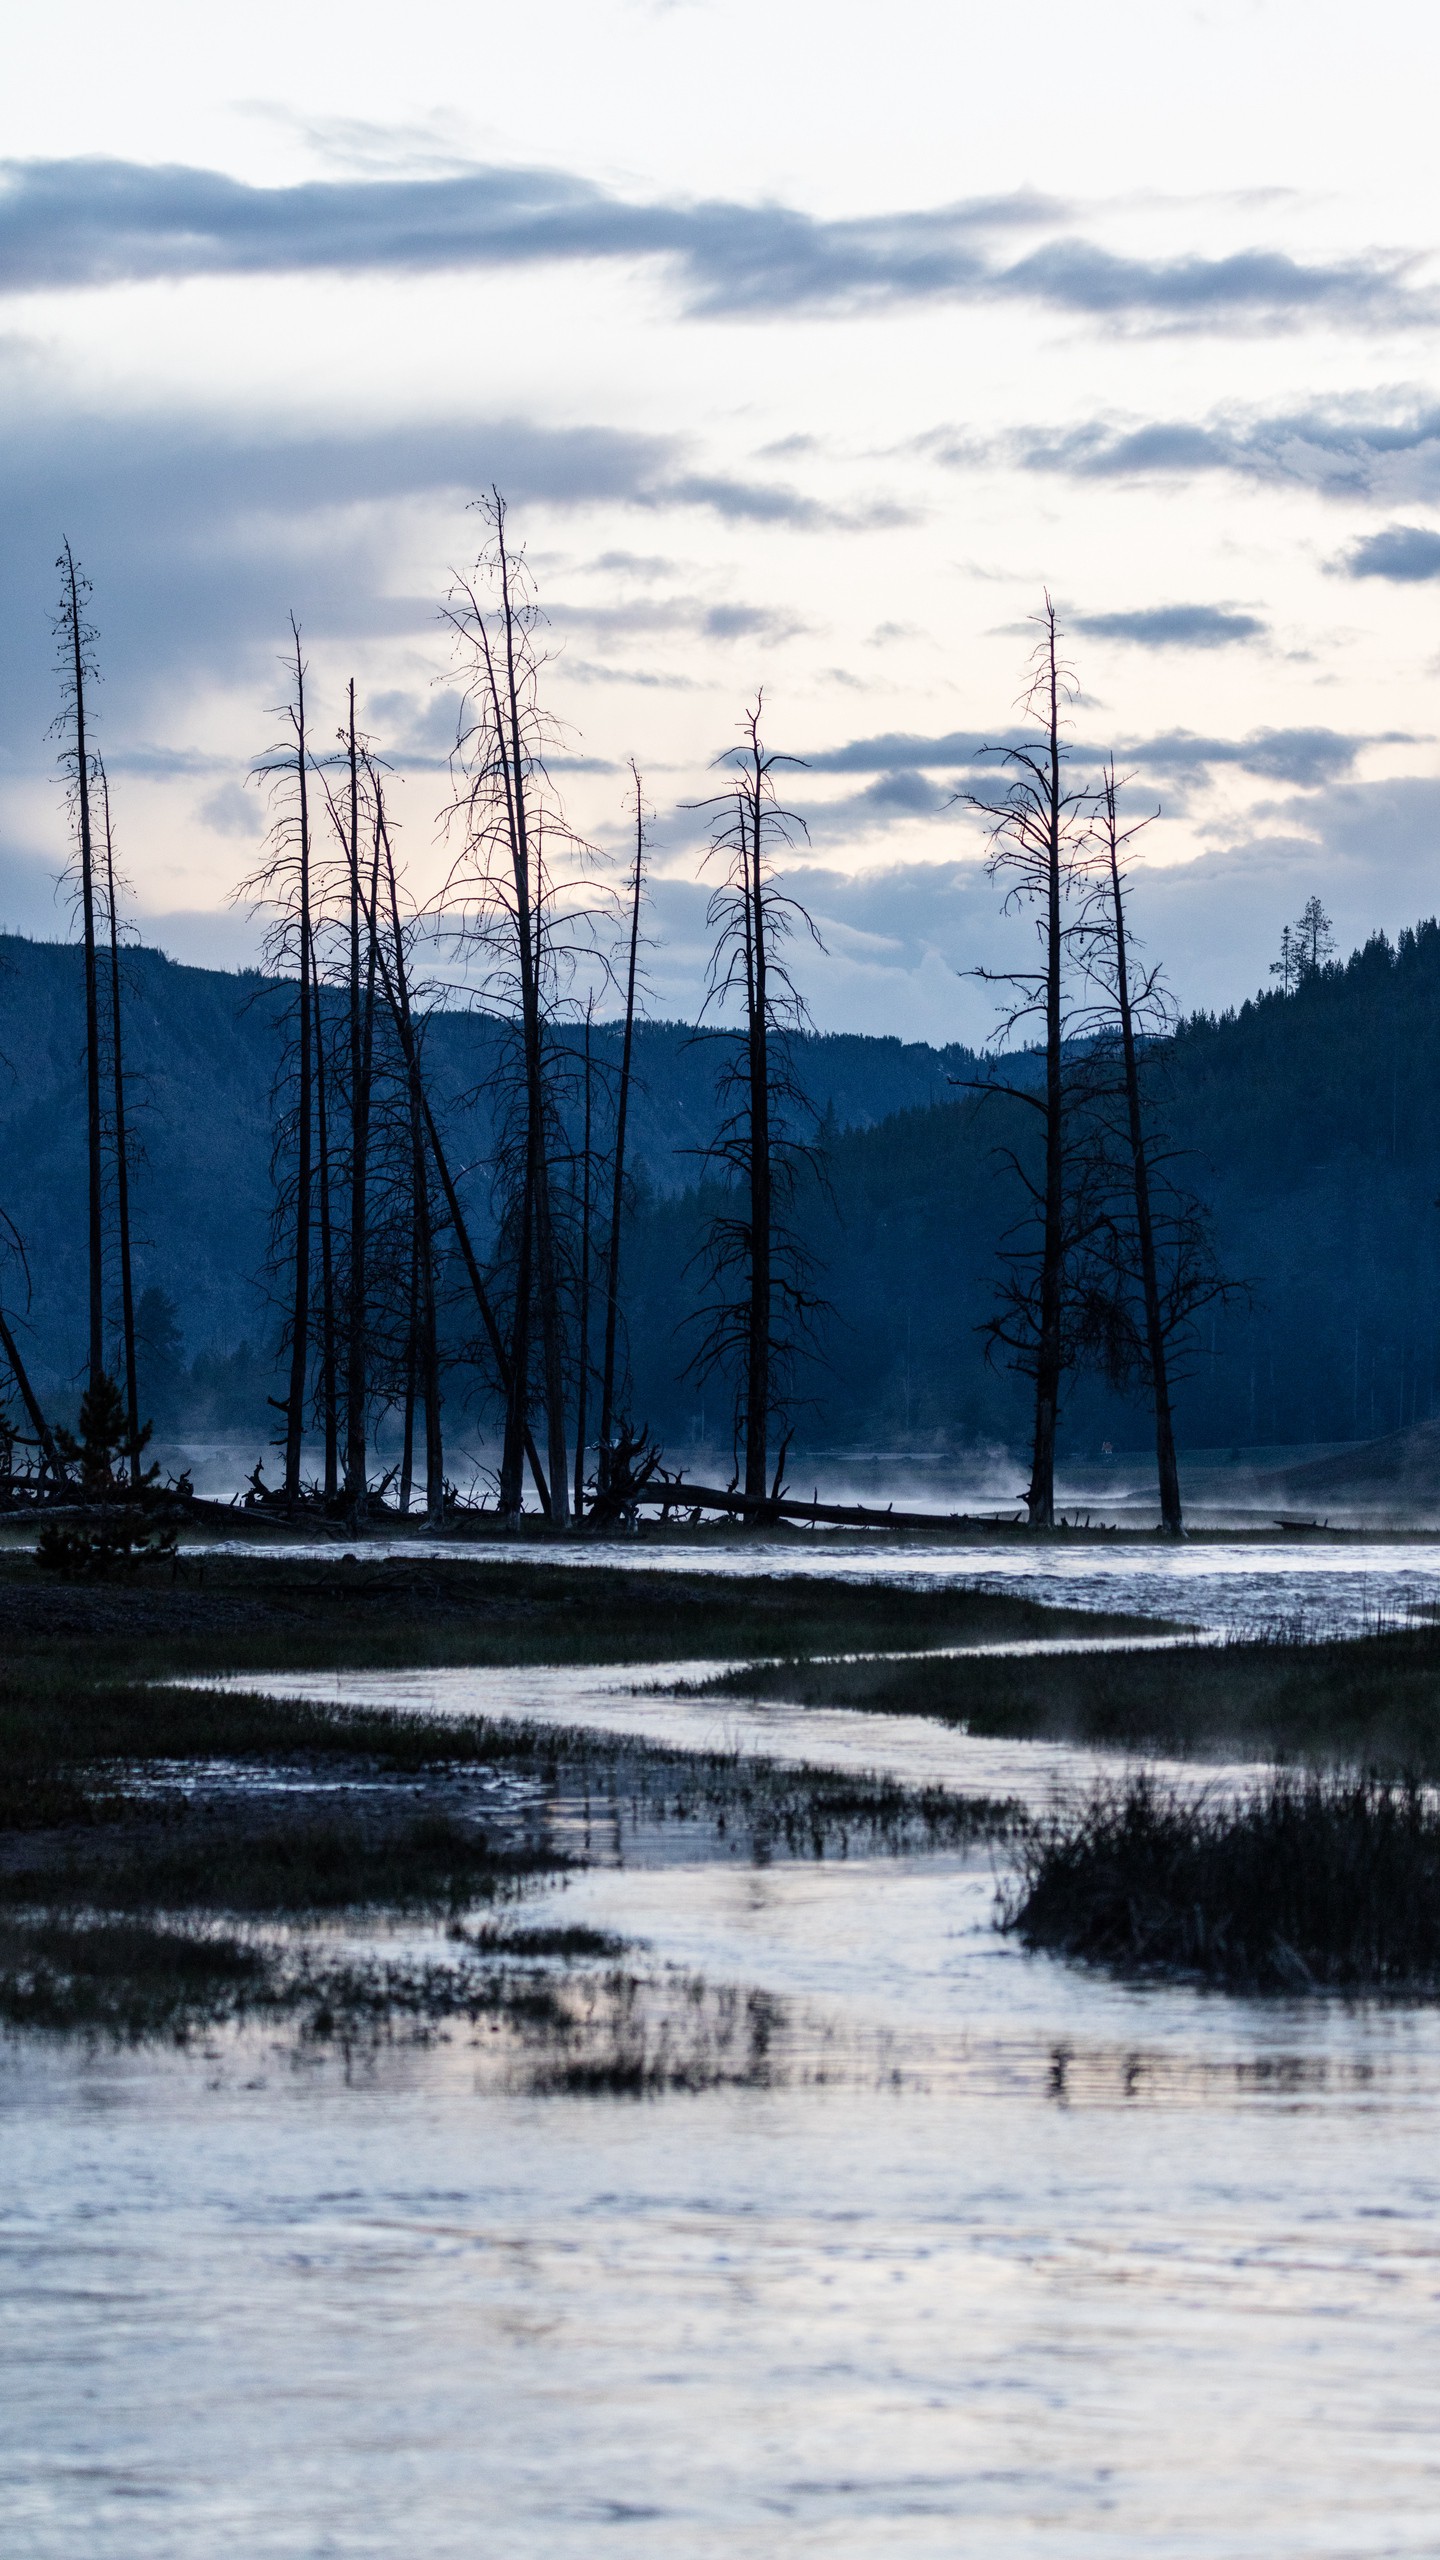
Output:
x,y
329,1373
529,919
1169,1472
404,1025
759,1265
757,1364
617,1178
361,1016
285,886
1037,831
122,1151
33,1407
1048,1365
509,809
300,1303
582,1380
77,645
422,1350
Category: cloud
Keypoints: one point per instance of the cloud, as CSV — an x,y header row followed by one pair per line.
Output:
x,y
1304,757
1173,626
1258,284
891,797
902,938
641,617
1404,552
201,536
1346,450
901,751
96,222
233,811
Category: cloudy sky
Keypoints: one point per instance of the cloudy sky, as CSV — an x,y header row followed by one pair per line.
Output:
x,y
808,345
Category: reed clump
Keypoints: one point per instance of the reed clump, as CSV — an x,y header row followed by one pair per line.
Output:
x,y
1302,1882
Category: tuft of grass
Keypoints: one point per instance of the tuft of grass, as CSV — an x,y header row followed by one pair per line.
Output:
x,y
695,2038
127,1978
573,1941
249,1859
1302,1883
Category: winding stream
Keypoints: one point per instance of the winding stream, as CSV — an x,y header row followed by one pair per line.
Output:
x,y
1010,2260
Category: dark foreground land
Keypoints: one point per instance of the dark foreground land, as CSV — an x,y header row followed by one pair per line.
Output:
x,y
174,1858
373,1612
1368,1701
1304,1882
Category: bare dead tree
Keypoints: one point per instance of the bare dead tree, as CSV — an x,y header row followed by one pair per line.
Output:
x,y
584,1275
515,922
617,1169
763,1308
422,1344
360,1008
283,887
398,1000
328,1382
75,635
12,1249
1038,825
1150,1266
121,1143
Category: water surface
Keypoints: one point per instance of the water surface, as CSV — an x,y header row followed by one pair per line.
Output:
x,y
1010,2259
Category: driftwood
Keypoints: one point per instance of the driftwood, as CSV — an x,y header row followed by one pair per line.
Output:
x,y
672,1493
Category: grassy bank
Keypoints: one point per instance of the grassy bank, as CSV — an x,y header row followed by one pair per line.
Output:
x,y
1371,1702
1305,1883
258,1613
173,1858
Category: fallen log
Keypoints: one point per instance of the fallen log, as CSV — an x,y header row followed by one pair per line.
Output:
x,y
674,1494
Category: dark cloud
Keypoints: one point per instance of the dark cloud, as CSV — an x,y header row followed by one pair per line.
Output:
x,y
1404,552
891,797
88,222
231,810
641,617
1304,757
902,938
1173,626
1344,451
900,751
200,539
1076,276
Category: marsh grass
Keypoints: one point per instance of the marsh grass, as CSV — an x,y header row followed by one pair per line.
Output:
x,y
561,2027
1304,1882
378,1613
139,1826
257,1856
1369,1701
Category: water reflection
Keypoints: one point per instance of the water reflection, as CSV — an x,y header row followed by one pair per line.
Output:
x,y
1007,2259
1052,2264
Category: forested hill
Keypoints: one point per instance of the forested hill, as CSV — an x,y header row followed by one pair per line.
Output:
x,y
1312,1119
202,1050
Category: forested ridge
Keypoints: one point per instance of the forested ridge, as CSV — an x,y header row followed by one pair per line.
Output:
x,y
1308,1118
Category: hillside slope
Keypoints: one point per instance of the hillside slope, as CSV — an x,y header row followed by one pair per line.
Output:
x,y
1310,1121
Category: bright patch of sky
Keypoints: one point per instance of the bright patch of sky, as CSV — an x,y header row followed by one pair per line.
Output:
x,y
809,347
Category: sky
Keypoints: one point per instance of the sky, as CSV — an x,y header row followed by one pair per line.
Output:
x,y
810,347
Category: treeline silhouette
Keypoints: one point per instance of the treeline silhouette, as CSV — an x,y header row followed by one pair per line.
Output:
x,y
454,1229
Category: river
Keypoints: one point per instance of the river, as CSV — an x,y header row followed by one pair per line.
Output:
x,y
1007,2259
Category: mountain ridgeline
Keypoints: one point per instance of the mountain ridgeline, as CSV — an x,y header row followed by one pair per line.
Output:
x,y
1306,1119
